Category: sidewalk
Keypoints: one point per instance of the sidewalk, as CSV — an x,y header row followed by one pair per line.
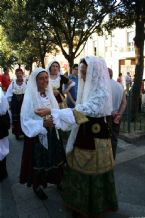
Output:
x,y
18,201
133,136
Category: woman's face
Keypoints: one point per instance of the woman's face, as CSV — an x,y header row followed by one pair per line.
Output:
x,y
42,81
83,70
19,75
54,69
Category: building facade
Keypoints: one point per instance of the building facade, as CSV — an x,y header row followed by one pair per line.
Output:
x,y
117,49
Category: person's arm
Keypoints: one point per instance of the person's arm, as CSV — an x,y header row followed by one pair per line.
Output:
x,y
9,92
31,124
123,104
118,115
97,102
68,84
63,118
71,98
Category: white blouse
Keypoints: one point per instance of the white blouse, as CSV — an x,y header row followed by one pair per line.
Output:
x,y
14,88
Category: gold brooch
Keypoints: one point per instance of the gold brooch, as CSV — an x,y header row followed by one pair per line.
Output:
x,y
96,128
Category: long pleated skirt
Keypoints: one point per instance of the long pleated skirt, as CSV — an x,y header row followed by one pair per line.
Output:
x,y
88,185
39,165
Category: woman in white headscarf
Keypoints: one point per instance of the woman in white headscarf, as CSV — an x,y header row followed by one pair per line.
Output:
x,y
88,185
43,155
58,82
4,127
15,95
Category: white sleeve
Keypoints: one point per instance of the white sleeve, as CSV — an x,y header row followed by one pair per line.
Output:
x,y
98,104
9,92
31,124
4,105
63,118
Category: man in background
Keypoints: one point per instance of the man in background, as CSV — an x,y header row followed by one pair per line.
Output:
x,y
119,104
128,81
72,94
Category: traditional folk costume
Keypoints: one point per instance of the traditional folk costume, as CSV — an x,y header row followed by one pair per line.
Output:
x,y
15,95
59,84
4,127
88,185
43,154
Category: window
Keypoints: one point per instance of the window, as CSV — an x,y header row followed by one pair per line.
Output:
x,y
130,41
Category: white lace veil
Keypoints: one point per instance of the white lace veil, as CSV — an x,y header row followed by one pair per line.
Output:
x,y
97,84
94,96
32,124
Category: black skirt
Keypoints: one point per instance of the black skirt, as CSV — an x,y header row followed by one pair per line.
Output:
x,y
39,165
16,104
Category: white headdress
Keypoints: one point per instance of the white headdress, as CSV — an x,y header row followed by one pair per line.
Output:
x,y
49,66
55,82
4,142
32,124
3,103
94,96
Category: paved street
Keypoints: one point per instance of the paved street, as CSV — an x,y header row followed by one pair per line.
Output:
x,y
19,201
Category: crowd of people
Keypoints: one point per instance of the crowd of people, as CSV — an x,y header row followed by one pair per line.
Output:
x,y
88,105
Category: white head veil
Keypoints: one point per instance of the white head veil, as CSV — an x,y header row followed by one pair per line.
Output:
x,y
1,95
55,82
3,103
94,96
49,66
4,142
32,124
32,90
97,84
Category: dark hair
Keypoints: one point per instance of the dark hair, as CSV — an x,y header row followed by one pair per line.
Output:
x,y
43,71
83,61
74,66
18,69
110,72
55,62
120,74
5,69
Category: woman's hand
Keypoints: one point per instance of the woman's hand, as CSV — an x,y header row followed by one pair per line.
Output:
x,y
55,92
116,117
48,122
42,112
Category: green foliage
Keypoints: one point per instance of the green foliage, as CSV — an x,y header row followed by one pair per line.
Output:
x,y
4,6
125,15
7,56
72,22
31,39
16,22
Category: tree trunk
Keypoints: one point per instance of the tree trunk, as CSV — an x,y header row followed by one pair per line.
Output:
x,y
139,51
42,62
70,59
42,59
71,63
